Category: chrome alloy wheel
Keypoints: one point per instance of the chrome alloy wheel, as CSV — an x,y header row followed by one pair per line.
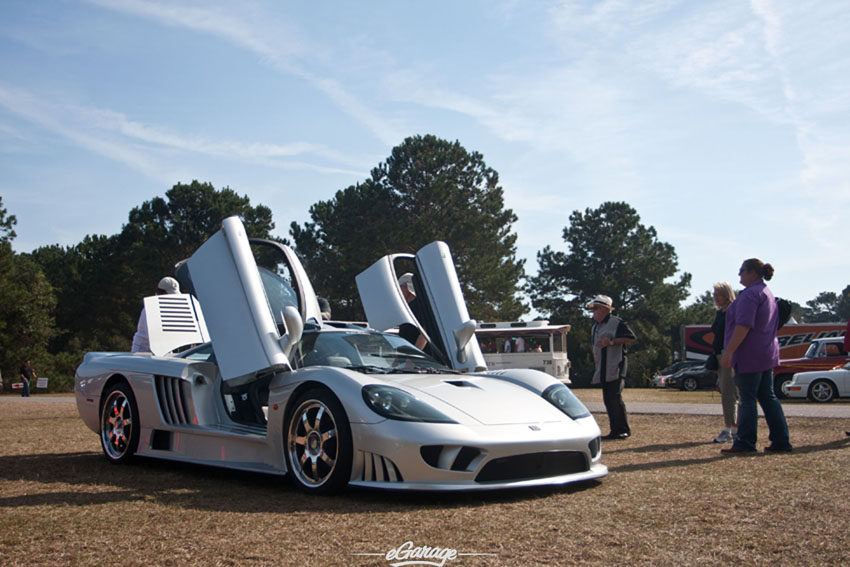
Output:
x,y
313,443
822,391
116,425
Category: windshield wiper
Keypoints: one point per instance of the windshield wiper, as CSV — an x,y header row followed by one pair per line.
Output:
x,y
370,369
373,369
431,370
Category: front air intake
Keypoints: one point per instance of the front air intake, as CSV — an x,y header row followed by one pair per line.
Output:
x,y
532,466
451,457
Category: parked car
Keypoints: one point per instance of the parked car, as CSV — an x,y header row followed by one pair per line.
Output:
x,y
820,386
660,378
823,354
272,388
691,379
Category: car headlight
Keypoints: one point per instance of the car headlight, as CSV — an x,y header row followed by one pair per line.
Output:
x,y
393,403
562,398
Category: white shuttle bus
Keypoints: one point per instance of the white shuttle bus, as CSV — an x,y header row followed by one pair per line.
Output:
x,y
531,344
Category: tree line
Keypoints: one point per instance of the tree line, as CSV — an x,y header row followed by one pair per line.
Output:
x,y
59,302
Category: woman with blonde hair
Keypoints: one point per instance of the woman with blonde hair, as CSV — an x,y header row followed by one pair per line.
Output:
x,y
724,295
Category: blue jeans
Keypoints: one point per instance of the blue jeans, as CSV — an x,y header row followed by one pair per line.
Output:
x,y
758,387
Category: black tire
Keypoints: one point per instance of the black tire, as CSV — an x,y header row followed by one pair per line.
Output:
x,y
822,391
779,382
119,424
317,443
690,384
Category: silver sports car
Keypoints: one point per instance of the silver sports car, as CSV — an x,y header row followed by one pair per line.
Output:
x,y
244,374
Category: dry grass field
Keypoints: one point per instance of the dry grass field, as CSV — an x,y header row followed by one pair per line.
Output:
x,y
670,499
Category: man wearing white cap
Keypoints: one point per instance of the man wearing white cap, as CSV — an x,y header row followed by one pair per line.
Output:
x,y
608,338
140,339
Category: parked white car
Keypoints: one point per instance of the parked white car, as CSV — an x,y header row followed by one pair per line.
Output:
x,y
820,386
272,388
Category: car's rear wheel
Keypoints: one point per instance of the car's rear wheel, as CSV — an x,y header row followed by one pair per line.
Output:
x,y
119,424
690,384
822,391
318,443
779,382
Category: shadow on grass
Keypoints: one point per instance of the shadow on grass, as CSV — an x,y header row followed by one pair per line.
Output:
x,y
663,464
88,479
657,447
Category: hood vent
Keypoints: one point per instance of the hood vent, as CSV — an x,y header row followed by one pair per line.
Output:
x,y
461,383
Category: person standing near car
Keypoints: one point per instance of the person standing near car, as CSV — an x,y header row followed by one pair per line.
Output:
x,y
847,349
724,295
608,338
752,350
27,376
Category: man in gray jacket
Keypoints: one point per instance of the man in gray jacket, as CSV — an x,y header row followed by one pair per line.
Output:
x,y
608,338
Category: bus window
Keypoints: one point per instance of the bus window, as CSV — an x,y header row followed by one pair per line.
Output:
x,y
559,342
545,346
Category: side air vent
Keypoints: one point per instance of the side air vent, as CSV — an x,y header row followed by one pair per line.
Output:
x,y
377,468
451,457
176,315
594,447
161,440
173,397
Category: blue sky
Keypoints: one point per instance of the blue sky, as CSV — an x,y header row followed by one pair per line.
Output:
x,y
725,124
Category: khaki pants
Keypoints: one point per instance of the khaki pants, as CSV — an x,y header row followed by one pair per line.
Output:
x,y
728,394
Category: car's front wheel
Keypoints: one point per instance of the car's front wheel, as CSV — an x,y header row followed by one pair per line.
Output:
x,y
119,423
822,391
318,443
779,383
690,384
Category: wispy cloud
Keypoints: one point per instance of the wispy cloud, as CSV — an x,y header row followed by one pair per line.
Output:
x,y
275,42
151,149
817,97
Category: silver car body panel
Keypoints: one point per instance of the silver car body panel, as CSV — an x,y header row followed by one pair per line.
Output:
x,y
174,321
227,282
183,413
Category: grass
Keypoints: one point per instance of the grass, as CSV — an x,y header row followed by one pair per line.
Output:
x,y
670,499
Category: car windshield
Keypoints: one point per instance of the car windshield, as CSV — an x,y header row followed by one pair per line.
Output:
x,y
812,351
364,351
203,353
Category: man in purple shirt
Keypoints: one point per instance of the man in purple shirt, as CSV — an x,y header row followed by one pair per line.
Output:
x,y
752,349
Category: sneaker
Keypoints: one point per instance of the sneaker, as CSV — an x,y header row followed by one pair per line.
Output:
x,y
724,437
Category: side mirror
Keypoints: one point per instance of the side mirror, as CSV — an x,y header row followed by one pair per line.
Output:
x,y
463,334
294,330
